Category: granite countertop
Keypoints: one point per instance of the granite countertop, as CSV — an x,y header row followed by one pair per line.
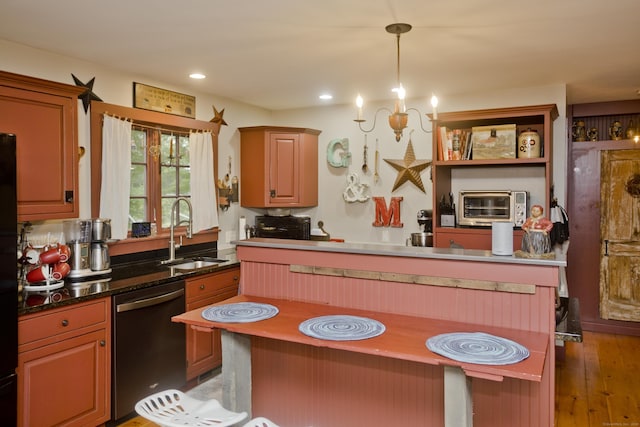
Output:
x,y
123,277
400,251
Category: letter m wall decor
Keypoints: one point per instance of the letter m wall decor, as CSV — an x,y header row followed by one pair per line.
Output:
x,y
387,217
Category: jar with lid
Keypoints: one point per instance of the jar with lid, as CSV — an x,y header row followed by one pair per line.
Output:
x,y
529,144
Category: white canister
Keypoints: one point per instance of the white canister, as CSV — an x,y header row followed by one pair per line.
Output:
x,y
502,238
242,225
529,144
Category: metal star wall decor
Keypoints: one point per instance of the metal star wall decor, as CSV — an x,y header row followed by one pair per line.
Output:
x,y
409,168
218,117
87,96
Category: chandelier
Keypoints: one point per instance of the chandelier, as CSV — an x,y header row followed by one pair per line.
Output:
x,y
399,116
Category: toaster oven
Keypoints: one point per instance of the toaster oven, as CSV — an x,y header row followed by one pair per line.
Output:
x,y
478,208
283,227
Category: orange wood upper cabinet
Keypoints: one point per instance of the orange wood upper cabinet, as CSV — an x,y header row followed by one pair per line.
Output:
x,y
64,365
44,117
486,174
279,167
204,350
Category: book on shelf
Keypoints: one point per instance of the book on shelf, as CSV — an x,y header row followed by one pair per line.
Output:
x,y
445,140
453,144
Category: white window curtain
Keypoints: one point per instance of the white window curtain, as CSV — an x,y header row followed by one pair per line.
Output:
x,y
203,192
116,174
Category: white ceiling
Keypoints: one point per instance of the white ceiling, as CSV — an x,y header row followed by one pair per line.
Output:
x,y
281,54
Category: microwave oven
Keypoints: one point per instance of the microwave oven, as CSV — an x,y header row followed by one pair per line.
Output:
x,y
480,208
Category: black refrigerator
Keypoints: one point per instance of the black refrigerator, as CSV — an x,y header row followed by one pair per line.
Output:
x,y
8,282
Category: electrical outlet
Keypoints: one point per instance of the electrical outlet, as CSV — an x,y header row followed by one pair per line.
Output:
x,y
385,235
230,236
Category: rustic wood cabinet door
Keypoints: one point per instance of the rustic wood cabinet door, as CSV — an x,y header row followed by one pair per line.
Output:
x,y
620,235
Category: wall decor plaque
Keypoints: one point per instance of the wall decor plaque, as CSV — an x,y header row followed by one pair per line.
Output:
x,y
165,101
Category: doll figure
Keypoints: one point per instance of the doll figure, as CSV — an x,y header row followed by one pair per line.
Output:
x,y
536,239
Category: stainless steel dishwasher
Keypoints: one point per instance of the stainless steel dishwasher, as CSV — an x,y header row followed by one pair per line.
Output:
x,y
149,351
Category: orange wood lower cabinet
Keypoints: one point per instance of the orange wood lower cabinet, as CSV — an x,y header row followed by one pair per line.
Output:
x,y
204,351
63,366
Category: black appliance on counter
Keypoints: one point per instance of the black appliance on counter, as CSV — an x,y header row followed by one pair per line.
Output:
x,y
283,227
8,282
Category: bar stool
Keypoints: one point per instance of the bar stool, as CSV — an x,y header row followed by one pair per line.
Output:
x,y
260,422
173,408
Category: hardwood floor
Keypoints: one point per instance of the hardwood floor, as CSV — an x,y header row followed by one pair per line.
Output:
x,y
597,383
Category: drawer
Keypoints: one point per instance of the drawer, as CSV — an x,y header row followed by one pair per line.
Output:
x,y
52,323
211,284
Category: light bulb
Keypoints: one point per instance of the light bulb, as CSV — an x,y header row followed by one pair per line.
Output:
x,y
434,104
359,103
401,92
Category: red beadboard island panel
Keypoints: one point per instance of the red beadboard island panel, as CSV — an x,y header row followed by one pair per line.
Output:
x,y
322,382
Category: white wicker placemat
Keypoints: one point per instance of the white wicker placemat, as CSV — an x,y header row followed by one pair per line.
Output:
x,y
478,347
341,328
240,312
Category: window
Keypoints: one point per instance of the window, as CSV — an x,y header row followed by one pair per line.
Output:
x,y
155,181
160,173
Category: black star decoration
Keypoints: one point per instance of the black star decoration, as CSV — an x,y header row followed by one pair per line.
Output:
x,y
409,168
87,96
218,117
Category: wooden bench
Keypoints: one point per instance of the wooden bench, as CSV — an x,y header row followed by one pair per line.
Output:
x,y
404,338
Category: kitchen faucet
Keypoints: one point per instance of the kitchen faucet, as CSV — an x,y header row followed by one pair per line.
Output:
x,y
172,244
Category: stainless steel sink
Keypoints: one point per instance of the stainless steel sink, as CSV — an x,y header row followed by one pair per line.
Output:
x,y
195,263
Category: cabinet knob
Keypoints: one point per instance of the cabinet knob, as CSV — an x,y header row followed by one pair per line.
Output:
x,y
103,343
235,278
202,287
272,193
65,322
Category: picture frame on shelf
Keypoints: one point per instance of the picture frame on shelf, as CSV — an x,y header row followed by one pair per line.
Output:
x,y
493,142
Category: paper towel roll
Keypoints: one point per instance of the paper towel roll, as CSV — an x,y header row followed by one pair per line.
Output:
x,y
242,223
502,238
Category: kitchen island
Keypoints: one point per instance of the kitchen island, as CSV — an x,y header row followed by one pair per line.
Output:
x,y
272,369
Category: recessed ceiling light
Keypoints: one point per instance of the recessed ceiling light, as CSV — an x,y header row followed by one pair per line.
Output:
x,y
197,76
326,96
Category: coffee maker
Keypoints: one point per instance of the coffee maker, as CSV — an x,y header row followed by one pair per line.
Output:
x,y
87,240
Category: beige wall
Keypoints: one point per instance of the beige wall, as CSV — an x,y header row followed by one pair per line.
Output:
x,y
351,221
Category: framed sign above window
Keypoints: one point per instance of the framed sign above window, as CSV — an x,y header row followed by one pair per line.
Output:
x,y
165,101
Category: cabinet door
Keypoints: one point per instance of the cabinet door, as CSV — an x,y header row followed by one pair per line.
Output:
x,y
45,126
619,219
279,166
284,168
204,348
64,383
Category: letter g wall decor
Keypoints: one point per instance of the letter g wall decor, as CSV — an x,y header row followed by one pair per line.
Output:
x,y
338,154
